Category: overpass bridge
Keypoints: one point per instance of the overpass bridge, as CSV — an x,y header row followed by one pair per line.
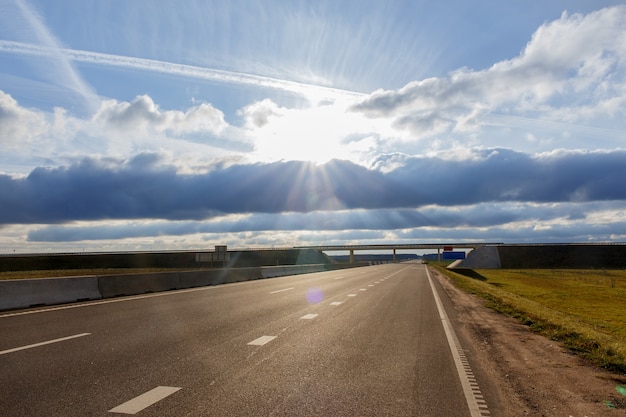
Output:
x,y
395,247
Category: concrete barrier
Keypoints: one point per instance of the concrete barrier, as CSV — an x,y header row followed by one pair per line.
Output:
x,y
202,278
243,274
285,270
25,293
22,293
133,284
271,271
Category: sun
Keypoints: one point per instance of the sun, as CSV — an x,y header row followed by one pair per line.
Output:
x,y
315,134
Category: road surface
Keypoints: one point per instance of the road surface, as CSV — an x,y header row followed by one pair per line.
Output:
x,y
373,341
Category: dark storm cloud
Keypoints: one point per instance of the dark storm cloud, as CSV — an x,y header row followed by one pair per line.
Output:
x,y
142,188
379,219
506,175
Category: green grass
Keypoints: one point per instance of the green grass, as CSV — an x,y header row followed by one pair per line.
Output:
x,y
583,309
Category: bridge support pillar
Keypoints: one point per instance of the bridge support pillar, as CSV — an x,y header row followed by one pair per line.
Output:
x,y
394,256
438,254
351,256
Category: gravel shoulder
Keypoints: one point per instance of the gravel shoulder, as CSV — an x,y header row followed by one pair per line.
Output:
x,y
532,375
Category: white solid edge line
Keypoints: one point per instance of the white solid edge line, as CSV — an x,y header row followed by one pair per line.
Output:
x,y
475,410
144,400
62,339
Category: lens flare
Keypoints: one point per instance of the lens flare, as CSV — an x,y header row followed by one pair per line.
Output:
x,y
314,296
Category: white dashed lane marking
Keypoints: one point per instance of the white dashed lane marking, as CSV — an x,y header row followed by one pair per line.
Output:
x,y
351,295
283,290
144,400
262,340
309,316
62,339
336,303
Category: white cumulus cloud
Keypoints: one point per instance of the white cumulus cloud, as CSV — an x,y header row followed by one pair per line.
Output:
x,y
18,126
572,70
142,115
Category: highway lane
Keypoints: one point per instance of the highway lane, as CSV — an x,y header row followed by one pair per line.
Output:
x,y
365,341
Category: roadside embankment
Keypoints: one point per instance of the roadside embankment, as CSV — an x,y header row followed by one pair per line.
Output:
x,y
582,309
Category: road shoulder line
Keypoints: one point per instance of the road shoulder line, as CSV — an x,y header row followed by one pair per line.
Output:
x,y
473,395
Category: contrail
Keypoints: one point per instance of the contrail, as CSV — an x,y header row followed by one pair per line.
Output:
x,y
191,71
71,77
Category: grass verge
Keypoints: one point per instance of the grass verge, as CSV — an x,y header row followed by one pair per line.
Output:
x,y
585,310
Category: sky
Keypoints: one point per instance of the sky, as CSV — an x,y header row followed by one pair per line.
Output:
x,y
169,125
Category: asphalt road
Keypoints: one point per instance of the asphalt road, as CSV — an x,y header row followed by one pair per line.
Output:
x,y
360,342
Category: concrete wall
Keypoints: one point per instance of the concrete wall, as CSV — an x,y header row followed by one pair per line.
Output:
x,y
484,257
33,292
24,293
546,256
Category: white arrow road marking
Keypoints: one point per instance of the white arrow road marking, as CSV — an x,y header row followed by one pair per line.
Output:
x,y
144,400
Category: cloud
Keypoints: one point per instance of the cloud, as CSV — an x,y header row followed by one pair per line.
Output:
x,y
480,215
506,175
196,137
258,114
143,188
572,70
508,221
18,126
143,115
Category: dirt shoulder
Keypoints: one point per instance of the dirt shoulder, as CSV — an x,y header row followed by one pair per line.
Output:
x,y
533,376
